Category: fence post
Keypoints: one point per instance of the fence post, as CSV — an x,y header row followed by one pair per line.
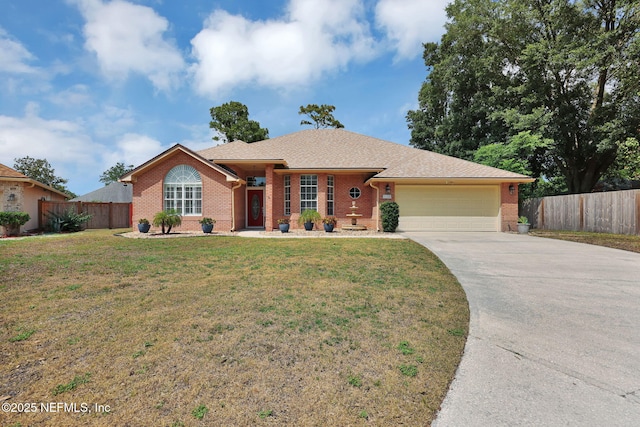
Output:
x,y
581,207
110,215
638,213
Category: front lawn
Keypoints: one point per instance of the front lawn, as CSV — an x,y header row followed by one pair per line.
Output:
x,y
616,241
226,331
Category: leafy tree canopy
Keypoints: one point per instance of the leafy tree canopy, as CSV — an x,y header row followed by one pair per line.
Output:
x,y
114,173
563,70
320,116
41,171
231,121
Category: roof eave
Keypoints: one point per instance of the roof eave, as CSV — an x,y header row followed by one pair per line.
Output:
x,y
452,180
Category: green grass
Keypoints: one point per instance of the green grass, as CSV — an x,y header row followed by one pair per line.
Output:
x,y
315,329
616,241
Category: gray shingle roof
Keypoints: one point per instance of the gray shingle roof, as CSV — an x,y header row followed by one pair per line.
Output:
x,y
115,192
342,149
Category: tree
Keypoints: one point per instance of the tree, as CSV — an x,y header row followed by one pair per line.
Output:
x,y
321,116
231,121
41,171
114,173
564,70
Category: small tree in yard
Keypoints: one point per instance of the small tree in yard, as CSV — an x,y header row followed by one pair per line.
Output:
x,y
12,221
167,220
390,213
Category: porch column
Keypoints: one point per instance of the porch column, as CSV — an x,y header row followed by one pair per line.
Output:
x,y
269,220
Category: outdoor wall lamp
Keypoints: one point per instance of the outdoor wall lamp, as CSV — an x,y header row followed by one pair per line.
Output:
x,y
512,189
387,189
12,197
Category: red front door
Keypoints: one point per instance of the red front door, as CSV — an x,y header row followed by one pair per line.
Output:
x,y
255,206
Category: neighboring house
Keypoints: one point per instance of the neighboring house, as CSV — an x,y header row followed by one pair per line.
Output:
x,y
116,192
19,193
245,185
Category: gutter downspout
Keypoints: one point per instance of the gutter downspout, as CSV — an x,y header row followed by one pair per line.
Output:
x,y
233,205
377,205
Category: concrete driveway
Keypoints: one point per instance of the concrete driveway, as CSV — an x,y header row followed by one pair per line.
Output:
x,y
554,336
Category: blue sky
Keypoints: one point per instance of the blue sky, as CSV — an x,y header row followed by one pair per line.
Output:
x,y
89,83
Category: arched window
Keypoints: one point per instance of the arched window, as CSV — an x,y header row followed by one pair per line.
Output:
x,y
183,190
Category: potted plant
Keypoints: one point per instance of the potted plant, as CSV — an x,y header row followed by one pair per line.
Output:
x,y
523,225
283,224
309,217
207,224
143,225
329,223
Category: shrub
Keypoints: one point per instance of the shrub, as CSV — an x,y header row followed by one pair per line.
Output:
x,y
69,221
332,220
390,212
207,221
12,221
167,220
309,215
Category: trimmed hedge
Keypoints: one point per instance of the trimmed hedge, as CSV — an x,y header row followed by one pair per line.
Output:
x,y
390,213
12,221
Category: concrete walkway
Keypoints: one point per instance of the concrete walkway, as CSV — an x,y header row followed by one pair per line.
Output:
x,y
554,336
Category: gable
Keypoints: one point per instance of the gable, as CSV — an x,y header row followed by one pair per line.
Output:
x,y
176,150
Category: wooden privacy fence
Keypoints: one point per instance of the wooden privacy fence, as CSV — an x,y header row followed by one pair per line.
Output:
x,y
104,215
615,212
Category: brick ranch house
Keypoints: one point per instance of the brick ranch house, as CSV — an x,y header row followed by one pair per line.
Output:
x,y
244,185
19,193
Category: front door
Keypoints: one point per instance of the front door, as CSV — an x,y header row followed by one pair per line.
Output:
x,y
255,206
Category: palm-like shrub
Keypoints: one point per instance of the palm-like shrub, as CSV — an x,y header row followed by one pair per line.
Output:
x,y
167,220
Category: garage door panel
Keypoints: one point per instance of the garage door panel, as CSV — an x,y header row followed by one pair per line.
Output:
x,y
446,208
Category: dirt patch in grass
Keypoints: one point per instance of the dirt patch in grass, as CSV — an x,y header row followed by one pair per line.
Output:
x,y
616,241
227,331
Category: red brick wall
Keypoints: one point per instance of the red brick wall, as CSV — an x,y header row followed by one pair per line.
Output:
x,y
508,207
216,194
342,200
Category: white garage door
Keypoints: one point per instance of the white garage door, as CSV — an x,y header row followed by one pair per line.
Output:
x,y
448,207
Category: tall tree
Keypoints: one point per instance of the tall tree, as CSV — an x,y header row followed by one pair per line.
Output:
x,y
231,121
564,70
114,172
42,171
321,116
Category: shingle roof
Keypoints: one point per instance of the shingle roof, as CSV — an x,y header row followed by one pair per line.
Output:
x,y
7,172
342,149
115,192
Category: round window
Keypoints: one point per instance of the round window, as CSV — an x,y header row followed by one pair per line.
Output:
x,y
354,192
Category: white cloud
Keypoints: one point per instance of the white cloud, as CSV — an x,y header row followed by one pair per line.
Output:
x,y
313,38
409,23
78,94
128,38
14,57
56,140
132,149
